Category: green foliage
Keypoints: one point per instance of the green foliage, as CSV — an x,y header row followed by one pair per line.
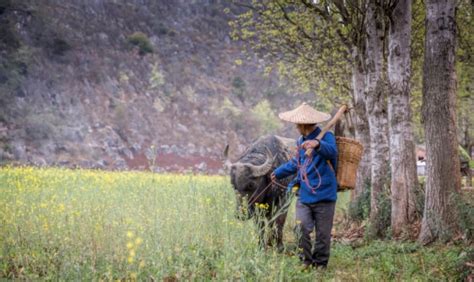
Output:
x,y
463,268
396,261
380,227
267,119
135,226
463,154
307,47
238,87
157,79
14,64
40,127
464,65
235,119
359,209
309,41
464,204
228,109
140,40
121,117
416,56
465,71
420,196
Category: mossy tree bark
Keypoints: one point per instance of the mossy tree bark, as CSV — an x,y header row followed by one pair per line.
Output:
x,y
402,145
440,220
375,99
362,132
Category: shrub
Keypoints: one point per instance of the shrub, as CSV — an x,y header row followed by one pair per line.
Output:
x,y
59,46
8,38
359,209
465,207
37,130
462,264
266,117
140,40
228,109
121,116
380,226
157,79
238,87
160,28
420,197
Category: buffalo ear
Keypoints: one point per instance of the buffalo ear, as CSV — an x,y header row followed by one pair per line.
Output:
x,y
226,151
227,162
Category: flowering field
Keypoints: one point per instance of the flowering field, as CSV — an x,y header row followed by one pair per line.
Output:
x,y
84,224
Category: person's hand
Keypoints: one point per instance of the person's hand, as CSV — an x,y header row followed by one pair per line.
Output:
x,y
310,144
273,177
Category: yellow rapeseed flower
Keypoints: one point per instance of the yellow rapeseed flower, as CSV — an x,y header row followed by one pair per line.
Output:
x,y
262,206
130,234
61,207
295,188
138,241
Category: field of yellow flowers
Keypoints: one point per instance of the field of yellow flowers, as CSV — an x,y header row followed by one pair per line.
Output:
x,y
96,225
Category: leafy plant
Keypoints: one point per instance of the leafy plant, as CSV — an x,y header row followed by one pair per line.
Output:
x,y
360,208
266,117
140,40
157,79
238,87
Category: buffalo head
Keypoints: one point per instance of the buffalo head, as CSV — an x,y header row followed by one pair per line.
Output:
x,y
249,179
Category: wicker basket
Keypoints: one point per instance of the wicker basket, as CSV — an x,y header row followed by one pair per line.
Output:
x,y
349,155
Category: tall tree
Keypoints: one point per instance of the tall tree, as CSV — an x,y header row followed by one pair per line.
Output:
x,y
402,145
375,95
362,132
440,219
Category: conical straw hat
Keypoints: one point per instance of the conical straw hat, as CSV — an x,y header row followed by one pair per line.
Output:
x,y
304,114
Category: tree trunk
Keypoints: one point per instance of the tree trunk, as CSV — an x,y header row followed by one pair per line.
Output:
x,y
375,95
402,145
440,219
468,146
362,132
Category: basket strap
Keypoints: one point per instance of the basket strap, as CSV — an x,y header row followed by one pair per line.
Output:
x,y
330,165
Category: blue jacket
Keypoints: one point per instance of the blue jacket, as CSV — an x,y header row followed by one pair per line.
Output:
x,y
321,177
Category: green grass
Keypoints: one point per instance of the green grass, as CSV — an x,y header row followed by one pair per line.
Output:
x,y
90,225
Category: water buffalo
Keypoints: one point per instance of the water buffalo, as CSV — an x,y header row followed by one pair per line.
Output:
x,y
250,178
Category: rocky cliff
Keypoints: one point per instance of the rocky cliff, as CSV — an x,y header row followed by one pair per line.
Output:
x,y
130,85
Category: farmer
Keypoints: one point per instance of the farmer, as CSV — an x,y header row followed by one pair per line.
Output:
x,y
315,184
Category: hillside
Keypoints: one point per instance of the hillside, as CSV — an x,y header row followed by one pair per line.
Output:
x,y
110,84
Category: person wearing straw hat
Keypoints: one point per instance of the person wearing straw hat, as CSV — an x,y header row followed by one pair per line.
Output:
x,y
315,183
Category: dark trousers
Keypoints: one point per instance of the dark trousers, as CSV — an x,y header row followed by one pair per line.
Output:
x,y
308,217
